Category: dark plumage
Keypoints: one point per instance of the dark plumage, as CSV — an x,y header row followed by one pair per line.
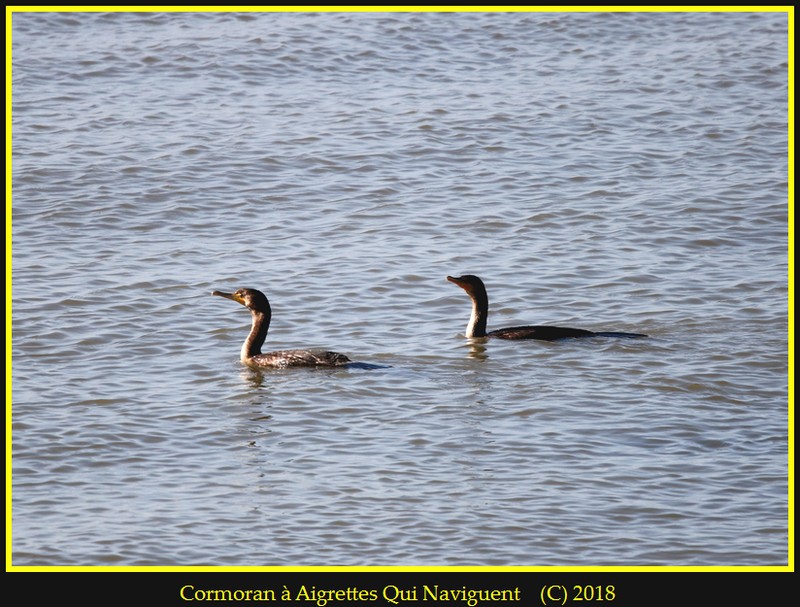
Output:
x,y
480,312
251,355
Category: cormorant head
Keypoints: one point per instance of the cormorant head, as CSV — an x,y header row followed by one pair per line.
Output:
x,y
469,282
252,299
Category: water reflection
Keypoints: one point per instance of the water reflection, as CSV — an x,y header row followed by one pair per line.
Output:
x,y
252,376
477,349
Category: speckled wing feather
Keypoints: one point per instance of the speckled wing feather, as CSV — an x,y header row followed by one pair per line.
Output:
x,y
299,358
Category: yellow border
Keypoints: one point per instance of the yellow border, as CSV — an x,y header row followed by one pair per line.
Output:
x,y
789,567
409,569
401,8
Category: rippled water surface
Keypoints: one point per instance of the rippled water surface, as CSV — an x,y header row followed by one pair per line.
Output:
x,y
607,171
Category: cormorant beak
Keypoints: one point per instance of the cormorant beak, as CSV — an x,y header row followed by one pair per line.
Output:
x,y
232,296
458,282
464,284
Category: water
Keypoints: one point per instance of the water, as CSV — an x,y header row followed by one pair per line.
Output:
x,y
607,171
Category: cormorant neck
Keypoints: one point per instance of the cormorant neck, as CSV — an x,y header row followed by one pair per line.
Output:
x,y
480,312
258,333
